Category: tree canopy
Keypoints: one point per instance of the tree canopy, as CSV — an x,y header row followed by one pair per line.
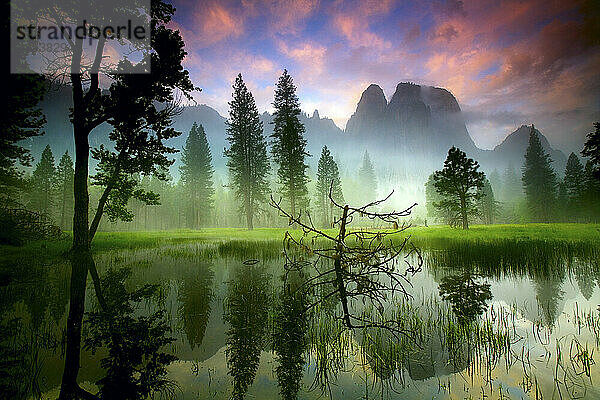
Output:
x,y
539,180
289,144
328,180
367,180
197,176
591,149
43,183
460,184
247,162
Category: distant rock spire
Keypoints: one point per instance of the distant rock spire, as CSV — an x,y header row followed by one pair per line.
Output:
x,y
316,115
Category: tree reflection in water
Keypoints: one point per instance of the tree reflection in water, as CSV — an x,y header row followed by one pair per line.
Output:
x,y
195,295
247,313
135,365
289,334
467,297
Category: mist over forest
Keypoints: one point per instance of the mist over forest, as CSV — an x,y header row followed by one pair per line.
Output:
x,y
406,139
182,214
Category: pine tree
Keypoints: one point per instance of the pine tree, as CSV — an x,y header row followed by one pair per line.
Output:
x,y
20,119
573,186
367,180
248,163
289,145
513,186
328,178
432,197
496,181
591,194
487,206
539,180
460,184
197,176
43,183
64,182
591,149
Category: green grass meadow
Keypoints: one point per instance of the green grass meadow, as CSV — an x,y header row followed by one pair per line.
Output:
x,y
422,237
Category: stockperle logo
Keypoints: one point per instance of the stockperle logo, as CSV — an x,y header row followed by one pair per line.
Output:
x,y
66,37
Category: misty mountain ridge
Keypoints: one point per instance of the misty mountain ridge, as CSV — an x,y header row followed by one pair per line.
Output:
x,y
415,128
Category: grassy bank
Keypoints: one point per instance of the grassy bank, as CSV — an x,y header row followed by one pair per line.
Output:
x,y
485,233
433,236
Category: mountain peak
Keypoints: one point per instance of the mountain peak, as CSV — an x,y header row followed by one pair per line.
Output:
x,y
406,92
370,109
372,98
513,148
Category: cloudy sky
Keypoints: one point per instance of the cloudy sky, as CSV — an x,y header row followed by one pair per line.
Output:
x,y
507,62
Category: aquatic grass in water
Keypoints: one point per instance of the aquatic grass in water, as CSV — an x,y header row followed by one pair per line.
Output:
x,y
498,258
484,356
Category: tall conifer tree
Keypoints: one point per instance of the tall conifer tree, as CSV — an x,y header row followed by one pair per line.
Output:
x,y
64,185
197,176
328,178
367,180
512,185
539,180
591,149
574,186
289,145
591,193
487,206
43,181
248,162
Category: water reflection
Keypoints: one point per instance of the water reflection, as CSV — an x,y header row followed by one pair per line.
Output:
x,y
290,343
267,344
468,297
246,311
195,297
548,294
136,360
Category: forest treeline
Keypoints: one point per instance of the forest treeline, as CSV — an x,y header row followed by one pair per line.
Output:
x,y
259,166
533,192
460,192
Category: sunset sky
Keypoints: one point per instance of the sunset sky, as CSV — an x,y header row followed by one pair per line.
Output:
x,y
507,62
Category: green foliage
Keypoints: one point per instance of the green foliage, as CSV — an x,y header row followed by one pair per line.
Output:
x,y
289,335
138,106
443,214
247,155
573,187
328,179
460,184
496,182
367,180
591,149
513,186
139,148
468,297
197,176
487,206
289,144
246,311
539,180
591,194
20,119
194,295
43,183
135,364
64,182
